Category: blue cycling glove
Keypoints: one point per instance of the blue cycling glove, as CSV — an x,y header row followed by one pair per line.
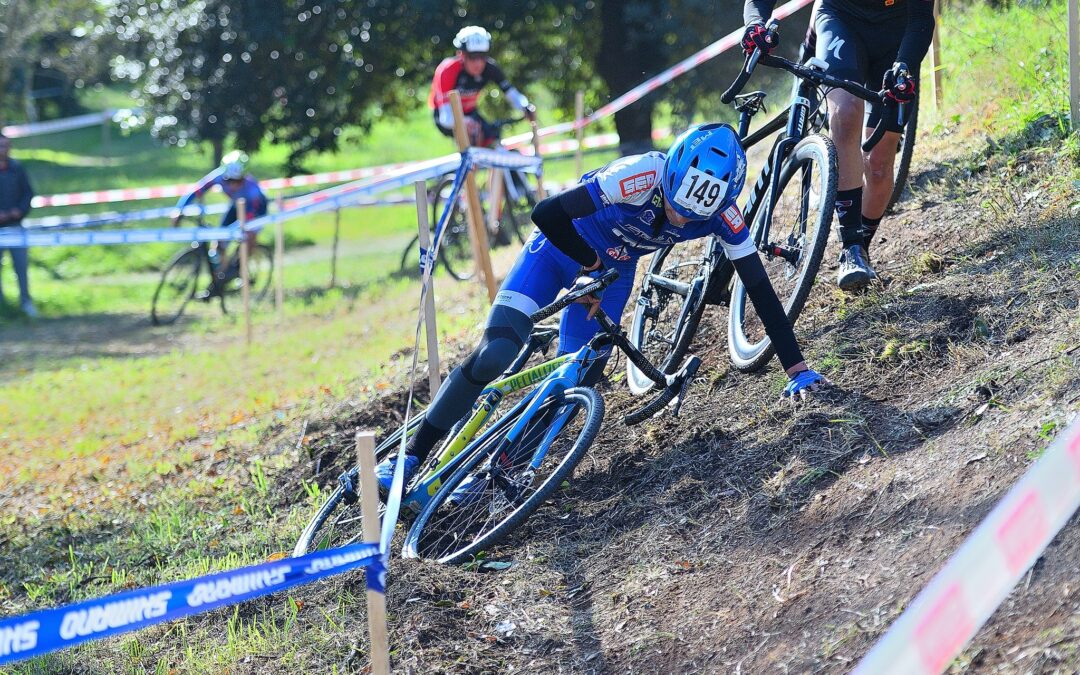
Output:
x,y
803,383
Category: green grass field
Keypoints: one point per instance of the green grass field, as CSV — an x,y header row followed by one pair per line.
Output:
x,y
132,455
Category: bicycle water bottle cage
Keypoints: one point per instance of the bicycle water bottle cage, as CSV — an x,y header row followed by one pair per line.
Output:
x,y
751,103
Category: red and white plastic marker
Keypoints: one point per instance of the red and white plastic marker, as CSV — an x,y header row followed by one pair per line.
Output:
x,y
977,578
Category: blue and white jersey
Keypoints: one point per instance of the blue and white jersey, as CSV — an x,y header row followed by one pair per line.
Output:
x,y
629,221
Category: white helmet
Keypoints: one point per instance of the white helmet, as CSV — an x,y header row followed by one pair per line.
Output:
x,y
473,39
234,165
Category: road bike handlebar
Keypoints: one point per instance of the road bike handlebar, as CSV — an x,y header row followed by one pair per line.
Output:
x,y
820,78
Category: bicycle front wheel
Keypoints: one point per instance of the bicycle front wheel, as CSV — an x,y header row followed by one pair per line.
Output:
x,y
904,151
455,250
794,241
506,478
668,310
177,287
338,521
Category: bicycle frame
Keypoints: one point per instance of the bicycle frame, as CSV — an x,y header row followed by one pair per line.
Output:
x,y
552,377
794,122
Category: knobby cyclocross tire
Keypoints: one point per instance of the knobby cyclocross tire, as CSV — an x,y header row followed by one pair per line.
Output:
x,y
347,525
260,274
177,287
505,498
905,150
800,221
665,321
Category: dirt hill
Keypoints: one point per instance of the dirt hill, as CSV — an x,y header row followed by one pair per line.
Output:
x,y
750,536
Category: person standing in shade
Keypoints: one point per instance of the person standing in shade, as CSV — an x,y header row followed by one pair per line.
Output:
x,y
15,196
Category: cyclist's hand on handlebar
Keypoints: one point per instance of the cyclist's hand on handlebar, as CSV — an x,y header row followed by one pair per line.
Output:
x,y
899,83
758,36
587,276
802,384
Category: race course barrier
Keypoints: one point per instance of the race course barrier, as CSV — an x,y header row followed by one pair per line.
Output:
x,y
65,124
350,194
48,630
983,571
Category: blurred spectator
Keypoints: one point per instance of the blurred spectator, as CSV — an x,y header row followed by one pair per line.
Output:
x,y
15,196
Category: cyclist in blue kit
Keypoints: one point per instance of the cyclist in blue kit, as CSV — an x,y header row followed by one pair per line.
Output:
x,y
614,216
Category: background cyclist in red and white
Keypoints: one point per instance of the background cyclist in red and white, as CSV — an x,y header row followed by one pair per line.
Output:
x,y
469,71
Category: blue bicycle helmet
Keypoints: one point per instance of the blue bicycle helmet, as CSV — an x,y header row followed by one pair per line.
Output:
x,y
704,170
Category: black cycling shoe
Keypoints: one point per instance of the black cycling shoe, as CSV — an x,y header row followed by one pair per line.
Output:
x,y
855,271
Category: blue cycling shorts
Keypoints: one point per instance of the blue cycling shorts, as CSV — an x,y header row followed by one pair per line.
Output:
x,y
542,270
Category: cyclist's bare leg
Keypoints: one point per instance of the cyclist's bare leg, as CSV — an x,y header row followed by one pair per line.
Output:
x,y
846,129
878,172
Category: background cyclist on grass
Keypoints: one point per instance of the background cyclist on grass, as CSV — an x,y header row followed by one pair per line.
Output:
x,y
234,180
867,41
469,71
614,216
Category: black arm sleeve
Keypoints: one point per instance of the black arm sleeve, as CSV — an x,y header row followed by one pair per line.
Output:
x,y
757,11
554,217
919,33
493,73
769,309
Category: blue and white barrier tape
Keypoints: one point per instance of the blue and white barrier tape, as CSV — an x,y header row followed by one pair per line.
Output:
x,y
351,194
25,239
112,217
48,630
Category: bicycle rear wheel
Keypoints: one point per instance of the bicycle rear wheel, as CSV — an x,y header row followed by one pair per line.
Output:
x,y
177,287
796,238
338,521
512,479
668,310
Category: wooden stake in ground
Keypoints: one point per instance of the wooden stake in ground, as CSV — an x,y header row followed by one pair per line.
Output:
x,y
479,239
245,290
434,381
1074,63
579,118
369,507
935,58
333,253
540,192
279,262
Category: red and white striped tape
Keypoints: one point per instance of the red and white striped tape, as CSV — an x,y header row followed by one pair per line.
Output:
x,y
982,572
639,92
53,126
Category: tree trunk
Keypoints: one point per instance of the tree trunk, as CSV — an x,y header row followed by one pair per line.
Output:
x,y
623,62
218,147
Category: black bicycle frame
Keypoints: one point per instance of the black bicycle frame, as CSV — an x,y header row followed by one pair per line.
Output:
x,y
794,122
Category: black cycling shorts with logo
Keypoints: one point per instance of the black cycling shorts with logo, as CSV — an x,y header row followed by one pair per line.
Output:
x,y
860,50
